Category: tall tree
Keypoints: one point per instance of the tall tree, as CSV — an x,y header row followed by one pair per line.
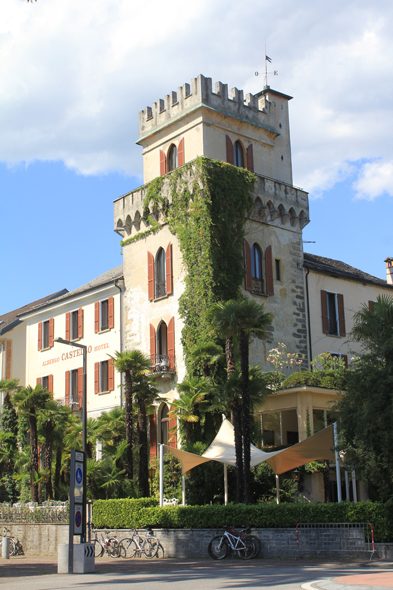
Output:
x,y
192,392
29,401
132,364
9,427
51,415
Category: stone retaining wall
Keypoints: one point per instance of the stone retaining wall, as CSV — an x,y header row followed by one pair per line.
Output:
x,y
43,539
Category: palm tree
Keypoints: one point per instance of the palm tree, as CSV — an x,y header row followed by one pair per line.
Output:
x,y
50,417
29,400
133,364
238,320
192,391
204,355
373,326
145,394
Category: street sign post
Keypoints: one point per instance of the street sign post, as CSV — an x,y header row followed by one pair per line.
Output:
x,y
77,525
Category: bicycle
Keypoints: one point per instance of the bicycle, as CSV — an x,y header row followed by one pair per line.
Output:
x,y
106,545
15,545
139,544
245,545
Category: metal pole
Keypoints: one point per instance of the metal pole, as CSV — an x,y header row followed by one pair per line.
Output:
x,y
346,484
84,443
183,490
355,494
277,489
225,484
338,474
161,474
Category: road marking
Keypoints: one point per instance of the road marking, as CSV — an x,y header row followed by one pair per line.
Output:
x,y
310,585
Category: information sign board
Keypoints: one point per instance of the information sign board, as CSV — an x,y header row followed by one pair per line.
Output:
x,y
78,519
78,485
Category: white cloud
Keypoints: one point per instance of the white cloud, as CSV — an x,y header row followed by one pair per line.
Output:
x,y
375,179
74,74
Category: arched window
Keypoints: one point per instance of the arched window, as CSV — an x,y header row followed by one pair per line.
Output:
x,y
238,156
162,348
160,273
256,268
164,419
172,158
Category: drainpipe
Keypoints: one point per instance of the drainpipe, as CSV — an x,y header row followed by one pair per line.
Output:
x,y
309,323
121,338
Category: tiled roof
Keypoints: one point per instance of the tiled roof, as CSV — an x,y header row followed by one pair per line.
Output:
x,y
339,269
9,320
108,277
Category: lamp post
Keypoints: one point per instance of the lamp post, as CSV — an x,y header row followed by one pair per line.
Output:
x,y
84,420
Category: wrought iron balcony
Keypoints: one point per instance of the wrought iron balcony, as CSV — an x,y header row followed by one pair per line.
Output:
x,y
163,363
257,285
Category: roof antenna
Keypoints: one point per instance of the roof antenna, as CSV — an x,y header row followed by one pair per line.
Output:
x,y
275,72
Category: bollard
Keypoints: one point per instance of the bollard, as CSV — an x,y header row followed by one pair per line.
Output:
x,y
5,548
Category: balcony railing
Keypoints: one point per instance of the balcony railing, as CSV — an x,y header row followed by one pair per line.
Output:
x,y
160,290
257,285
163,363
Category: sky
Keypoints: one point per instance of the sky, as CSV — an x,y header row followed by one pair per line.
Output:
x,y
74,75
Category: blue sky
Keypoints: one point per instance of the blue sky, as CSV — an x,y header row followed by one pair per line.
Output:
x,y
73,76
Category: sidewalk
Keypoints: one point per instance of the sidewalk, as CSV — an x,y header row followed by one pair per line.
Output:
x,y
366,581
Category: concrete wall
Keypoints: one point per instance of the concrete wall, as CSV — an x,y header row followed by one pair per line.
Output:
x,y
43,539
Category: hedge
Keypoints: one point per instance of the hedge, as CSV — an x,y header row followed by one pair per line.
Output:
x,y
119,514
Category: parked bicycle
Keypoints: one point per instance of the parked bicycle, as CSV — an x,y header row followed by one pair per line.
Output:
x,y
245,545
15,545
106,545
141,544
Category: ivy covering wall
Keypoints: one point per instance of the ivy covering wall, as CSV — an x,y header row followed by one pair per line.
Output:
x,y
206,210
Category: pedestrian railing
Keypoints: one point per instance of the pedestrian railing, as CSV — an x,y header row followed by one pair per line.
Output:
x,y
338,536
47,512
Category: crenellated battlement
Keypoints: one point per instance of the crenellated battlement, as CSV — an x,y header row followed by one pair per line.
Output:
x,y
254,108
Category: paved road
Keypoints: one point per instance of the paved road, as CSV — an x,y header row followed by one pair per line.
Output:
x,y
23,573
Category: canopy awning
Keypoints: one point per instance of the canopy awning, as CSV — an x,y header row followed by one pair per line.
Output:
x,y
317,447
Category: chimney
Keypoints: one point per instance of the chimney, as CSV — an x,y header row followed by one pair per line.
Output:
x,y
389,270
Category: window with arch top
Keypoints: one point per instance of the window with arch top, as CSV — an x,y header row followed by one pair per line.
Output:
x,y
160,273
238,155
256,262
172,158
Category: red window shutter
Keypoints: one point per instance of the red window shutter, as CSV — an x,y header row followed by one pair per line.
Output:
x,y
162,163
40,336
8,359
325,318
38,380
111,313
168,269
51,331
80,323
96,377
153,436
172,435
229,151
111,376
67,388
68,323
150,275
97,317
345,358
269,271
152,345
341,313
180,153
247,266
80,387
371,306
50,383
250,158
171,344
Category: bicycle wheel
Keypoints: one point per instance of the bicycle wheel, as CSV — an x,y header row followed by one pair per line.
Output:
x,y
150,547
13,548
218,547
257,544
249,549
130,547
114,547
98,548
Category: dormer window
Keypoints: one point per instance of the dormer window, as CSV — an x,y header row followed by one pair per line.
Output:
x,y
172,158
238,156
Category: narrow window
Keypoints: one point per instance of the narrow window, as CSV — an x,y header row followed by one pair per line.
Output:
x,y
45,382
162,349
104,324
256,268
74,387
278,270
332,313
45,334
160,273
74,325
104,376
172,158
238,156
